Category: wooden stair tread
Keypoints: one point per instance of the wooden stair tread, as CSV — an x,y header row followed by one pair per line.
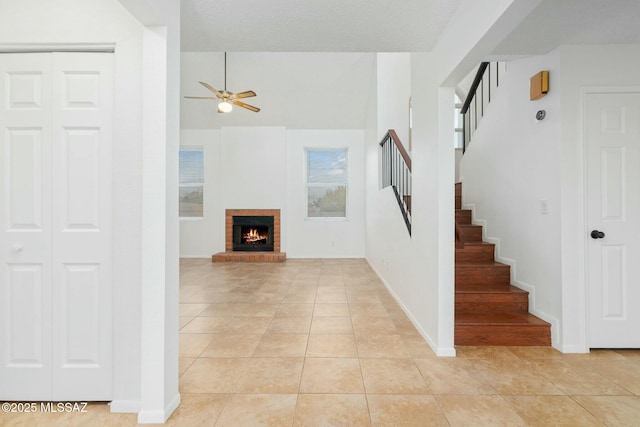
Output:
x,y
475,252
485,319
463,288
482,273
481,264
479,243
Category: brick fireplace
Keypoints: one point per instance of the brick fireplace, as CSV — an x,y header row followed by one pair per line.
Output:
x,y
250,254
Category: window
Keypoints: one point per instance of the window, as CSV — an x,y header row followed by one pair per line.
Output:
x,y
326,183
191,183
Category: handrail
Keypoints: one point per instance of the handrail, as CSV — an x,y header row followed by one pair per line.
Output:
x,y
472,110
474,87
395,171
403,152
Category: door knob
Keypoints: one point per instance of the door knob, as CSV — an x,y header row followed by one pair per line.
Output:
x,y
595,234
17,247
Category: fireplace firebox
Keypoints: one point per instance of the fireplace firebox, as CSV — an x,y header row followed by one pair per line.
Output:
x,y
253,233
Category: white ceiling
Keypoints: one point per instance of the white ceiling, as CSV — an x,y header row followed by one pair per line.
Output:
x,y
390,25
557,22
313,25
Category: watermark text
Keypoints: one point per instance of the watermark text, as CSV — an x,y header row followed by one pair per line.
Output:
x,y
20,407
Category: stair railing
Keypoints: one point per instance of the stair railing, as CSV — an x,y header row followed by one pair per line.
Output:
x,y
487,77
395,170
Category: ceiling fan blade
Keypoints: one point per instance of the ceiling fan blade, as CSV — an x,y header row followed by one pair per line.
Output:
x,y
211,88
246,94
247,106
201,97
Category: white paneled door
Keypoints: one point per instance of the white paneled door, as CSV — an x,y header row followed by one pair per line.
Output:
x,y
55,226
612,131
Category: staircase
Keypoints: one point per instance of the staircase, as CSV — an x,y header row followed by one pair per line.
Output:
x,y
488,309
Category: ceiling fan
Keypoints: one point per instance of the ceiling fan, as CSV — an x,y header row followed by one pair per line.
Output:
x,y
227,98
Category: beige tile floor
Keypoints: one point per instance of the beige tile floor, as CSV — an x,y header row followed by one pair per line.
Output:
x,y
322,343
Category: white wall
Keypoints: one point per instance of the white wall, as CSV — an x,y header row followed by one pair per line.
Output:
x,y
253,172
510,166
160,228
331,237
98,21
413,267
262,168
394,91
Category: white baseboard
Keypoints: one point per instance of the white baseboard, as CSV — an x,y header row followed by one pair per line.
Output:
x,y
439,351
446,352
573,348
125,406
159,416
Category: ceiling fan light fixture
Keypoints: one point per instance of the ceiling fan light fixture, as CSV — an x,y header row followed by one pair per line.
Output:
x,y
227,98
225,107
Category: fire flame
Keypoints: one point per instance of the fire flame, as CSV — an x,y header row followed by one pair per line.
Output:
x,y
253,236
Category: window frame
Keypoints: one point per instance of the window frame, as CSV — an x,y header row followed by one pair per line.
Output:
x,y
306,184
192,184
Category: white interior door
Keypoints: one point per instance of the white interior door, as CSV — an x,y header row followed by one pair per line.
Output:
x,y
25,232
612,131
81,222
55,218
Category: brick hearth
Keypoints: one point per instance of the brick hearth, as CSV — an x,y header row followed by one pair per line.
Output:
x,y
239,256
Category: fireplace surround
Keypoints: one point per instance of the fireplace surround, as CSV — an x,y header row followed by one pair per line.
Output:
x,y
252,251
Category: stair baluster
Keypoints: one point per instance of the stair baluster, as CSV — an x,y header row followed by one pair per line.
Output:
x,y
396,172
478,98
